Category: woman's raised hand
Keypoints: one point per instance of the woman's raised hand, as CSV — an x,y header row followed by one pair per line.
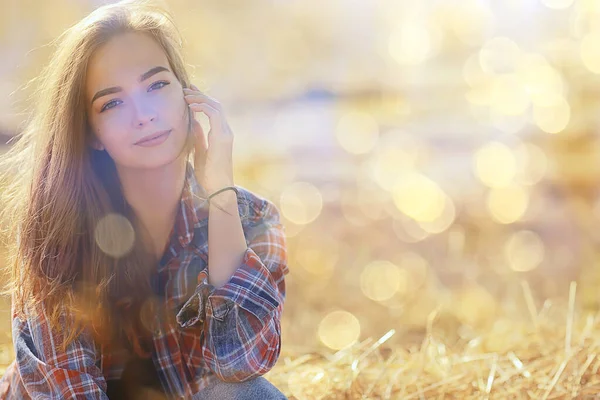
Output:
x,y
213,155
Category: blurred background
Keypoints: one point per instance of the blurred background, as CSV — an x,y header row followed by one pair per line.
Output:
x,y
432,156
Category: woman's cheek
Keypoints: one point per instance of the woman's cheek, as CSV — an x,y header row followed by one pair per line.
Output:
x,y
112,118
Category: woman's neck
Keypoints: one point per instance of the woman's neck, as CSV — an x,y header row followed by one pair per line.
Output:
x,y
154,196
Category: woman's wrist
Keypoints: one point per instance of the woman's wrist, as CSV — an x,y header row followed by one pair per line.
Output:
x,y
213,186
217,194
225,200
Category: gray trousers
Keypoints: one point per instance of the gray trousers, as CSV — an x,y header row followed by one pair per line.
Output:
x,y
257,388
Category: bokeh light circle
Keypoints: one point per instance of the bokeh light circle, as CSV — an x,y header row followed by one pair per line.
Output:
x,y
339,329
495,165
381,279
114,235
508,204
301,202
419,197
357,132
554,117
524,251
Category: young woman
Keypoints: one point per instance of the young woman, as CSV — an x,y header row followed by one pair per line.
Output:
x,y
139,270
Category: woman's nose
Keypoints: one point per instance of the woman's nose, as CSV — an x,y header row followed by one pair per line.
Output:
x,y
142,122
143,112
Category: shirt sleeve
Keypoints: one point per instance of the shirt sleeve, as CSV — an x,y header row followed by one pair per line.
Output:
x,y
242,332
48,373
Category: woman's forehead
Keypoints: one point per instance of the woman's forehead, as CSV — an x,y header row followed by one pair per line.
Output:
x,y
122,60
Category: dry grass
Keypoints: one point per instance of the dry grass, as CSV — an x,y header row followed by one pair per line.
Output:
x,y
554,355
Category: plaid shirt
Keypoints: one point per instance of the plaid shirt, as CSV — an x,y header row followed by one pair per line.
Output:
x,y
230,333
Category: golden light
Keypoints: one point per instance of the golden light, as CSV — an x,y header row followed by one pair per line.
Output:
x,y
445,219
596,208
476,306
542,81
508,204
499,55
301,202
114,235
288,36
417,268
86,300
291,229
552,118
533,164
393,108
558,4
456,241
509,95
479,112
470,20
318,256
495,165
473,73
309,382
371,201
411,43
409,230
388,161
480,81
338,330
524,251
509,123
481,96
590,53
589,6
418,197
351,209
273,176
148,312
357,132
381,279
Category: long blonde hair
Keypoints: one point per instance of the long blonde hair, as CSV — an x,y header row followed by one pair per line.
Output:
x,y
56,189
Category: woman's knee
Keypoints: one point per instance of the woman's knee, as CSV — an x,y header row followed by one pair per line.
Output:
x,y
257,388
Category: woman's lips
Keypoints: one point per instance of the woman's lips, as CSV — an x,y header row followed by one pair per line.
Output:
x,y
155,141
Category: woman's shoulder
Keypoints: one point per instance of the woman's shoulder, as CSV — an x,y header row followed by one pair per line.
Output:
x,y
258,206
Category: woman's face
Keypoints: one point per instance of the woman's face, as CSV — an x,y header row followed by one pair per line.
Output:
x,y
131,93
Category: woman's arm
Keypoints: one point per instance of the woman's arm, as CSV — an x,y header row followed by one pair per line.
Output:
x,y
48,373
241,337
226,240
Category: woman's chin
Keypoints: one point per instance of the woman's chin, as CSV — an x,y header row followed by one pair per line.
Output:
x,y
163,154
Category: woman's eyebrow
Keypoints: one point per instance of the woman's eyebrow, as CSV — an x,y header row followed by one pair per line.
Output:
x,y
115,89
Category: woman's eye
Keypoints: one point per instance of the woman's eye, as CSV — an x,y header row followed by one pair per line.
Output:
x,y
107,106
113,103
156,84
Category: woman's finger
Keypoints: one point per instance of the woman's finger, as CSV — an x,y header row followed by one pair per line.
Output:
x,y
198,97
211,112
213,118
199,136
194,90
